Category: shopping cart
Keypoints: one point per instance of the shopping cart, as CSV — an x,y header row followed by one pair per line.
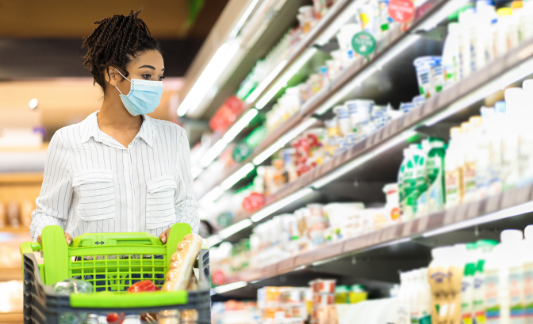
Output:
x,y
112,262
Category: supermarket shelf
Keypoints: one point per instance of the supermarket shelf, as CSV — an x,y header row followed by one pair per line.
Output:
x,y
360,66
511,203
7,274
392,138
30,177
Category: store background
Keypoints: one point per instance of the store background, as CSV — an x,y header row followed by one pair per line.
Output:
x,y
297,141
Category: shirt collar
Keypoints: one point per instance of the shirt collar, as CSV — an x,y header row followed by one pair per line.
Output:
x,y
90,129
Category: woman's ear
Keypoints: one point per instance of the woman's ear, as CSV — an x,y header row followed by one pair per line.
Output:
x,y
112,76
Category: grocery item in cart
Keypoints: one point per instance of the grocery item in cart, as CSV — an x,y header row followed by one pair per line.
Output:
x,y
73,286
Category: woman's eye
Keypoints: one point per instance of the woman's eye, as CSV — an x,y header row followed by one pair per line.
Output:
x,y
161,78
146,76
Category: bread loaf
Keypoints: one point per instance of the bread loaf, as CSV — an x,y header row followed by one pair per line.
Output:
x,y
179,272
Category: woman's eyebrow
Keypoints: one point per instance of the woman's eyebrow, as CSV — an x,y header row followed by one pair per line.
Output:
x,y
147,66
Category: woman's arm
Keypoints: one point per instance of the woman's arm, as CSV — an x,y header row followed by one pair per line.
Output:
x,y
56,192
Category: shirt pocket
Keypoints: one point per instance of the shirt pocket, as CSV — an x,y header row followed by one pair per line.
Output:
x,y
160,209
95,191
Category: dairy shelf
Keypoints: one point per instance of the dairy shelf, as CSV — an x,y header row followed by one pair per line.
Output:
x,y
394,42
378,156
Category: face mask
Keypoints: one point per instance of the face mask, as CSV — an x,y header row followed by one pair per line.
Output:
x,y
144,96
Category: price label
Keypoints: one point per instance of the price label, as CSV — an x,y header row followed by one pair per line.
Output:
x,y
422,224
401,10
363,43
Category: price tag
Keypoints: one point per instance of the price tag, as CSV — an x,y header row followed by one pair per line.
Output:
x,y
407,228
422,224
363,43
460,214
401,10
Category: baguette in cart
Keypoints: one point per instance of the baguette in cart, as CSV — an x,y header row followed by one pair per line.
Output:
x,y
110,264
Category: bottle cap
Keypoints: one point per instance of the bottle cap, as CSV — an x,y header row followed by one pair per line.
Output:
x,y
465,127
511,236
454,131
504,12
475,121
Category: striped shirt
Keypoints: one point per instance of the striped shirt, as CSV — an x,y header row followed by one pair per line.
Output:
x,y
93,184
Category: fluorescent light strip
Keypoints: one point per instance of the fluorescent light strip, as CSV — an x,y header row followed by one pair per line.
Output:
x,y
283,141
196,170
282,82
366,73
447,9
363,159
268,210
519,72
238,175
213,240
243,19
262,86
505,213
208,77
230,287
212,195
237,227
213,152
240,125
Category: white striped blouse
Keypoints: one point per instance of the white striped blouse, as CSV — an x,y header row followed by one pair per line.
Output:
x,y
93,184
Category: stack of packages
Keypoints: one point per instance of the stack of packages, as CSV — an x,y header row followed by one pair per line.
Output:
x,y
323,308
282,305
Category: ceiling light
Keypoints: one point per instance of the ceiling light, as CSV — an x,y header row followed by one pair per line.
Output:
x,y
212,195
34,103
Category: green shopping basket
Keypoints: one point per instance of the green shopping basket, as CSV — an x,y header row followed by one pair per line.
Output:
x,y
112,262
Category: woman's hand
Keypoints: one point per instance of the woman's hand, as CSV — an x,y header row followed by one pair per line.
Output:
x,y
68,238
164,236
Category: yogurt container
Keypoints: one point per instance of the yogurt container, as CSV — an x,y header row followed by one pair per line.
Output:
x,y
419,100
406,107
429,75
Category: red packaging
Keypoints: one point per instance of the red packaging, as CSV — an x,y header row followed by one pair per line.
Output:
x,y
323,299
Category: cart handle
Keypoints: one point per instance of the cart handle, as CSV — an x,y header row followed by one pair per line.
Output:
x,y
30,247
129,300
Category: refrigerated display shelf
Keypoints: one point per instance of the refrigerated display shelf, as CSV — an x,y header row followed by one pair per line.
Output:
x,y
504,71
511,203
359,66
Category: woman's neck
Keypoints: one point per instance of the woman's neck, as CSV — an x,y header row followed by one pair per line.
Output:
x,y
114,115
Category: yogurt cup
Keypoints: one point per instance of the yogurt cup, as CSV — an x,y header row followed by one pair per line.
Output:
x,y
429,75
419,100
406,107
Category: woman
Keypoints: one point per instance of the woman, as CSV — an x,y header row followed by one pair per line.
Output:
x,y
119,170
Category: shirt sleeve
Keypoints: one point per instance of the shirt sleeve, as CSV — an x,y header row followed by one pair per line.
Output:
x,y
56,192
186,205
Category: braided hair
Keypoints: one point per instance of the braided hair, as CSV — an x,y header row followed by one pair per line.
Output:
x,y
115,42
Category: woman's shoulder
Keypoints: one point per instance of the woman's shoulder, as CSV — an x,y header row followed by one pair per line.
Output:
x,y
163,126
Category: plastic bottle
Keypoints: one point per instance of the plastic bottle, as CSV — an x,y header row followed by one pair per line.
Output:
x,y
409,183
469,169
467,289
525,149
424,298
495,133
453,168
528,275
503,280
483,248
403,299
511,135
482,153
436,197
485,15
439,284
456,263
421,178
401,171
450,56
466,48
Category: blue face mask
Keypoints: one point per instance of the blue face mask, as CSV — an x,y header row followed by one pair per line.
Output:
x,y
144,96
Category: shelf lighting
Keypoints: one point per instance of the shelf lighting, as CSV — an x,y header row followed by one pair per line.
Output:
x,y
342,19
280,143
213,240
501,214
230,287
239,125
235,177
243,19
196,170
401,138
262,86
212,195
282,82
272,208
237,227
